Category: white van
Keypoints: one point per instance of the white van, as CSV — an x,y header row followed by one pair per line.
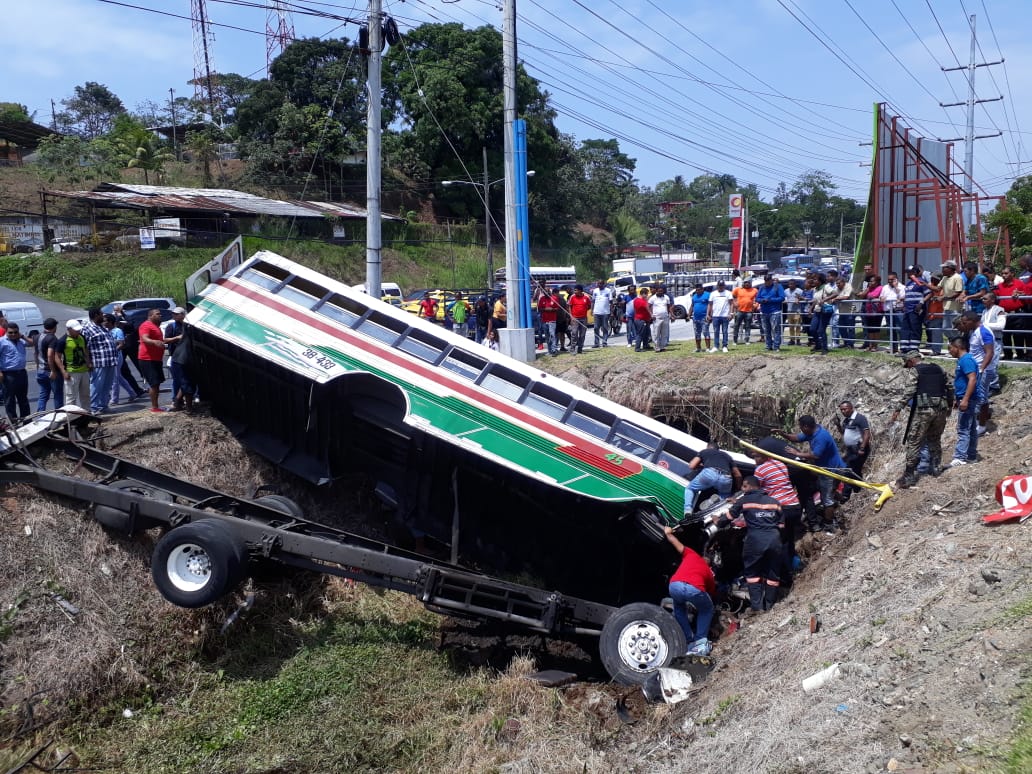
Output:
x,y
25,314
389,292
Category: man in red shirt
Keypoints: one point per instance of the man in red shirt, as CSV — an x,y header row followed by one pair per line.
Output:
x,y
152,350
428,308
548,308
642,321
579,304
693,583
1009,293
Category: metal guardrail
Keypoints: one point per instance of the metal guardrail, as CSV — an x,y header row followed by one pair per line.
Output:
x,y
852,326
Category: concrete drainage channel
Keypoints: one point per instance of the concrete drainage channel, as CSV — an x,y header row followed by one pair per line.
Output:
x,y
719,413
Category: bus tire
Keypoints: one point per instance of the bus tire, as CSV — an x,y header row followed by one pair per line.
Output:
x,y
637,640
282,504
197,563
119,520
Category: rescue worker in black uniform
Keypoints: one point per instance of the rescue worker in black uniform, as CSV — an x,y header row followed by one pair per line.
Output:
x,y
930,399
761,516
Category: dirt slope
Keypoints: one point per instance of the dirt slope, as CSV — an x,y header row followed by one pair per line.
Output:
x,y
927,611
933,653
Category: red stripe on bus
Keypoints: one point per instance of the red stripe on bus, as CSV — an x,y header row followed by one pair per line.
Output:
x,y
589,449
613,464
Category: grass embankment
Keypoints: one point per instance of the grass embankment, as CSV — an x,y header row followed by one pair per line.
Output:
x,y
94,279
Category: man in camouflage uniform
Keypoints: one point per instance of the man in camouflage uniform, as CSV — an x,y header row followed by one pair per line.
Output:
x,y
929,397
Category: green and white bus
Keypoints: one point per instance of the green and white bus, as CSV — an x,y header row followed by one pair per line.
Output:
x,y
508,467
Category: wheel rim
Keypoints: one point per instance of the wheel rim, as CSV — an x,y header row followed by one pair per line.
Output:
x,y
642,646
189,567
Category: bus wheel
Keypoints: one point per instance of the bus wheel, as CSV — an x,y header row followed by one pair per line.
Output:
x,y
197,563
637,640
122,521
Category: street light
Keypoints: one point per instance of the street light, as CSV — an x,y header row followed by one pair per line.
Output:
x,y
485,189
807,225
756,233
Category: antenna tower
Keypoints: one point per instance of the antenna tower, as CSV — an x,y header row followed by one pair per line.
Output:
x,y
204,75
279,30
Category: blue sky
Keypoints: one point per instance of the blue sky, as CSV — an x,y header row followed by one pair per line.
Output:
x,y
686,86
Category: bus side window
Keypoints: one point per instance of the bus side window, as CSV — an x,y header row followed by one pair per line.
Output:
x,y
591,420
634,439
548,401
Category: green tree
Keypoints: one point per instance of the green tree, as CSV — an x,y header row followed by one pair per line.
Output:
x,y
13,113
91,112
608,180
675,190
445,88
1016,217
139,148
306,118
75,161
203,148
626,231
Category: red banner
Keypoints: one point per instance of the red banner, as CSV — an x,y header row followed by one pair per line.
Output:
x,y
1014,493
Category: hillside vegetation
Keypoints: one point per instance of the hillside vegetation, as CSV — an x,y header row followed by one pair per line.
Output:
x,y
88,279
319,675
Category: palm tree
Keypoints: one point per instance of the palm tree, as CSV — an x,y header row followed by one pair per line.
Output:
x,y
141,149
626,231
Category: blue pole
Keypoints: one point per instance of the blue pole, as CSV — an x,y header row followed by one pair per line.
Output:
x,y
522,285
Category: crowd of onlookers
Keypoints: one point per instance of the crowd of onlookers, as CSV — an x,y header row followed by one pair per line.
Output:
x,y
821,310
89,366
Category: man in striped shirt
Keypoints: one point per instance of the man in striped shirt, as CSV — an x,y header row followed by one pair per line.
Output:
x,y
774,479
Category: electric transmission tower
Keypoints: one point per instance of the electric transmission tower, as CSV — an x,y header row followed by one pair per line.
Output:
x,y
279,30
204,74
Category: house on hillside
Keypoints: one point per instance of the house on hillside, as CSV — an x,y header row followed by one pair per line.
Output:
x,y
18,139
205,216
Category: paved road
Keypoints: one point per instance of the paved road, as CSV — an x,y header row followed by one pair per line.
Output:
x,y
59,312
63,313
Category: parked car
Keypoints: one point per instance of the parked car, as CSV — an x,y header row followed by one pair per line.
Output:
x,y
140,303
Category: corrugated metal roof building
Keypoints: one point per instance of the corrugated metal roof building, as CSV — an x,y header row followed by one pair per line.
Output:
x,y
209,214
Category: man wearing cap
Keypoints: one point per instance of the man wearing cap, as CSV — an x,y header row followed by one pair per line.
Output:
x,y
914,294
103,360
72,358
929,398
182,389
952,288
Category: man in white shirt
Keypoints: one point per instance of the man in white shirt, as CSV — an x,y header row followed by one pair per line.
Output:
x,y
659,305
719,313
793,308
602,307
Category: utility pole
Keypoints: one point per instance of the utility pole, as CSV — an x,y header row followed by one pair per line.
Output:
x,y
53,115
172,107
374,240
517,338
487,226
969,138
